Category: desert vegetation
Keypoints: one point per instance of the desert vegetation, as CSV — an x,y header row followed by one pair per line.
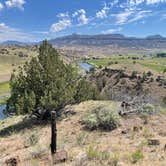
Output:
x,y
112,115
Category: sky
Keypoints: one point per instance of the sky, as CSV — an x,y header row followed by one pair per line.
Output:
x,y
36,20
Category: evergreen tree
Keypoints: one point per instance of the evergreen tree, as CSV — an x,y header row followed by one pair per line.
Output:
x,y
48,83
43,82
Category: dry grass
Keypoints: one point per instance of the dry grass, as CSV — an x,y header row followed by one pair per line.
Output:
x,y
85,147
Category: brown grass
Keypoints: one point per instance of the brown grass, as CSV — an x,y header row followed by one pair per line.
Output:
x,y
96,148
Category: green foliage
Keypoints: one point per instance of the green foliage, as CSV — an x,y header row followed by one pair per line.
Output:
x,y
103,117
94,153
147,108
81,138
85,91
134,74
164,100
137,156
46,82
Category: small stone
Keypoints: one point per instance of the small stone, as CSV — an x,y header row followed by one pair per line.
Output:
x,y
153,142
165,147
124,131
60,156
81,157
135,129
12,161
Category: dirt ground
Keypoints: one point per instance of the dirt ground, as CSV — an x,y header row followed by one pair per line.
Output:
x,y
29,142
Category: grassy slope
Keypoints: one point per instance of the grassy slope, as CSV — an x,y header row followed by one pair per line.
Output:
x,y
154,64
8,62
4,92
31,142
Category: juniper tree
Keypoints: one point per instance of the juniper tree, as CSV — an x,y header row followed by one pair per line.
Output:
x,y
45,81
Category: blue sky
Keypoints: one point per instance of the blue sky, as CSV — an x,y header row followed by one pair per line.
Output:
x,y
35,20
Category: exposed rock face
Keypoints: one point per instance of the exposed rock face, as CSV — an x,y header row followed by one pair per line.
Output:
x,y
122,86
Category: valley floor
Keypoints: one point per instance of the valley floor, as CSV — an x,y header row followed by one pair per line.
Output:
x,y
127,145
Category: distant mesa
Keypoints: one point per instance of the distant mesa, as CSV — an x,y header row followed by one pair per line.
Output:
x,y
14,43
117,40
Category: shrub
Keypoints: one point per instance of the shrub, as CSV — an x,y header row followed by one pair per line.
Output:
x,y
147,108
164,100
103,117
137,156
94,153
164,71
134,74
85,91
81,138
31,140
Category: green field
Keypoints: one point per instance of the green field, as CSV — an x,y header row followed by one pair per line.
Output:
x,y
4,92
8,62
143,63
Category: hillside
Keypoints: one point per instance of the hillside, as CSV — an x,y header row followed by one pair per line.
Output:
x,y
127,145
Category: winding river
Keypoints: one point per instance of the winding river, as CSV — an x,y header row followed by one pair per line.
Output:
x,y
2,115
85,66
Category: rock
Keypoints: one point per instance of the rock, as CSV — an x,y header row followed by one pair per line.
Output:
x,y
125,131
81,158
13,161
153,142
60,156
135,129
121,164
165,147
162,133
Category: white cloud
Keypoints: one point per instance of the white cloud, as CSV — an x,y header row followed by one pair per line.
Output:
x,y
148,2
61,25
129,16
123,17
163,16
154,1
81,17
1,6
110,31
8,33
63,15
102,13
15,4
140,15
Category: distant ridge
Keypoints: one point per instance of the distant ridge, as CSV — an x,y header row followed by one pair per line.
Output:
x,y
14,43
114,40
118,40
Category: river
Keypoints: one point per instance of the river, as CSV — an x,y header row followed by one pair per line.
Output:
x,y
85,66
2,115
